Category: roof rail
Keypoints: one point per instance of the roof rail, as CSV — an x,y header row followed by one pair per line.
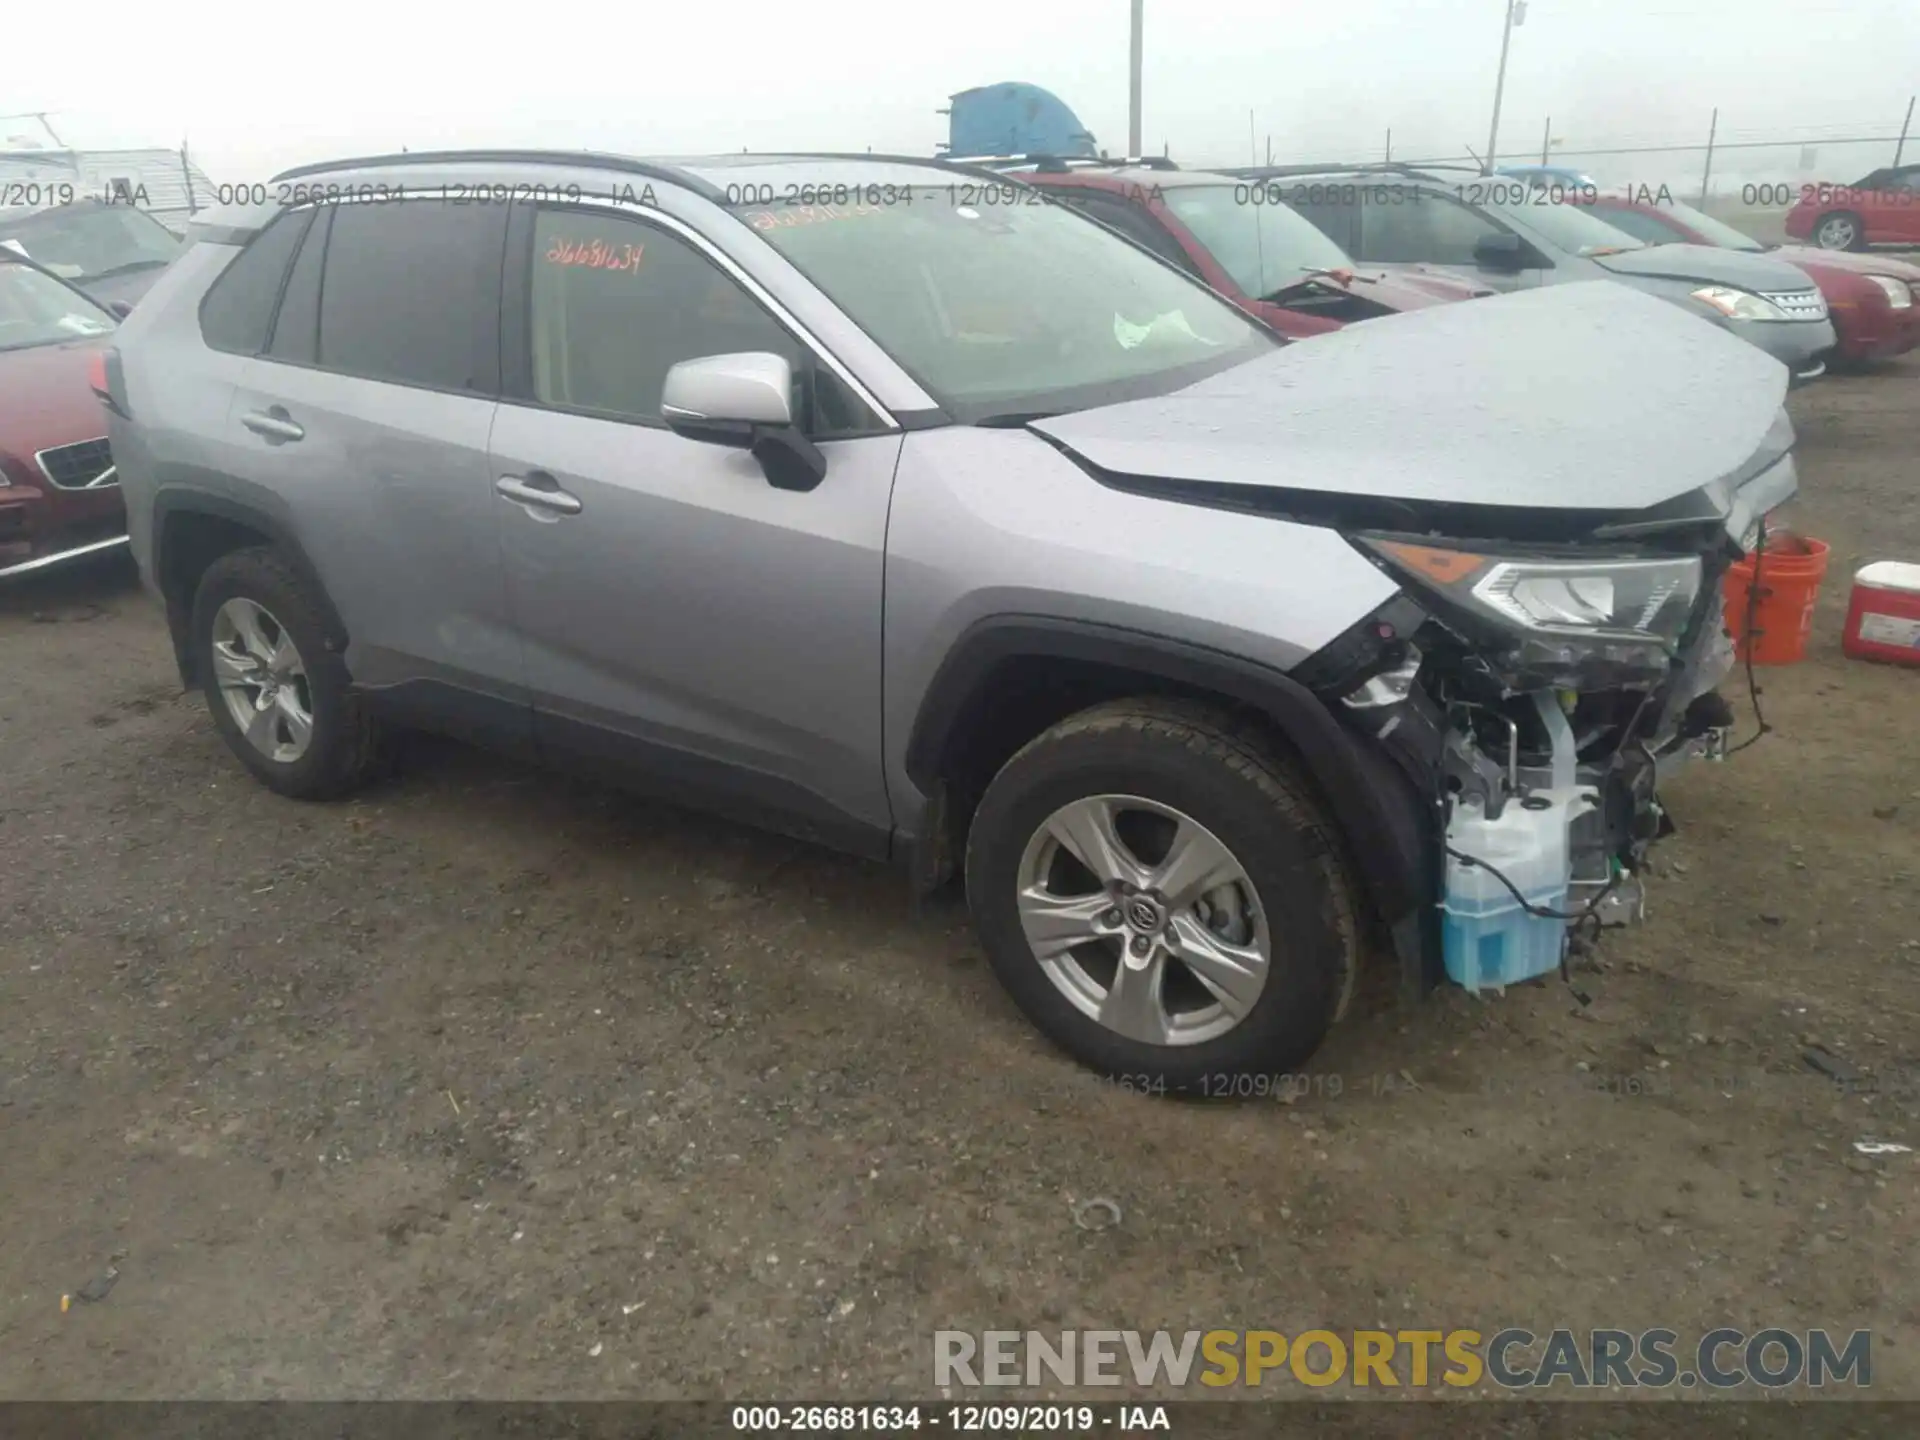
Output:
x,y
962,166
1061,164
1369,167
626,164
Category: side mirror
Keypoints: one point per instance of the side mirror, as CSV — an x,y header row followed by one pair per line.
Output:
x,y
1500,252
120,309
744,400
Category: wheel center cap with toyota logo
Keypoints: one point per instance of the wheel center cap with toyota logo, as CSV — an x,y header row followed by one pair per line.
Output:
x,y
1145,915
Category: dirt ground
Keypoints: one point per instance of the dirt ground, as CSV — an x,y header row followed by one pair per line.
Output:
x,y
495,1084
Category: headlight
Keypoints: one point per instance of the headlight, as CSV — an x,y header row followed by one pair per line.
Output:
x,y
1738,304
1562,613
1899,295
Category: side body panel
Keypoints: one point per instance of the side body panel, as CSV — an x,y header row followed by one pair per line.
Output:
x,y
698,622
392,498
996,523
180,393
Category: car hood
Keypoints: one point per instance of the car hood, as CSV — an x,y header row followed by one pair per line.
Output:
x,y
50,400
1813,261
1704,263
1580,397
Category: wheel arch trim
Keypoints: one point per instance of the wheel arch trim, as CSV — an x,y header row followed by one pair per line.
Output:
x,y
181,501
1358,788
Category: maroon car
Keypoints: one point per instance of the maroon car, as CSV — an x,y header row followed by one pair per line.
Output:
x,y
1874,299
59,497
1241,238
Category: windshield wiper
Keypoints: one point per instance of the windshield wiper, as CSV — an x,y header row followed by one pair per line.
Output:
x,y
1315,272
1015,419
126,269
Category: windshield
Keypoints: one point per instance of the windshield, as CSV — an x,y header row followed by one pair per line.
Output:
x,y
86,242
1718,232
36,309
1264,247
1569,227
1003,303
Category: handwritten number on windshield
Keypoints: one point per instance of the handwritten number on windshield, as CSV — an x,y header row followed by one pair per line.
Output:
x,y
594,254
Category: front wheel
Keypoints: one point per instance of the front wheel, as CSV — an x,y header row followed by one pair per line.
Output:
x,y
1163,897
1839,230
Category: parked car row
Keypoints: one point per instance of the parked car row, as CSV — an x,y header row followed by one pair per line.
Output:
x,y
891,504
1515,236
1281,240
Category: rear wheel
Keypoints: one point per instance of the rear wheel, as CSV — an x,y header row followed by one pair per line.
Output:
x,y
1840,230
279,696
1162,896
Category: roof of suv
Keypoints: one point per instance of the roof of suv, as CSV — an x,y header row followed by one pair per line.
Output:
x,y
1129,177
707,175
1438,174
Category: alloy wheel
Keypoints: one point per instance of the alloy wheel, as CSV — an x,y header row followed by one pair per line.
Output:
x,y
1144,920
263,680
1837,232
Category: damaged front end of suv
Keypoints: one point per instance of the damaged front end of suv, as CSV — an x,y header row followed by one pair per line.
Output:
x,y
1535,680
1538,498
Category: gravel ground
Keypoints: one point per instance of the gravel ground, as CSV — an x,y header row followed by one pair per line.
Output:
x,y
496,1084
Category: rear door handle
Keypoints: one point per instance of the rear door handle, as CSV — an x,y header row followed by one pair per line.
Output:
x,y
540,491
273,424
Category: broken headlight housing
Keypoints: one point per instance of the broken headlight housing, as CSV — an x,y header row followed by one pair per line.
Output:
x,y
1555,618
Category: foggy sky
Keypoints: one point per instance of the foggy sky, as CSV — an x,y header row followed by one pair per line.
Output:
x,y
257,87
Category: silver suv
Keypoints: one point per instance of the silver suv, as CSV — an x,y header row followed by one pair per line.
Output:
x,y
888,504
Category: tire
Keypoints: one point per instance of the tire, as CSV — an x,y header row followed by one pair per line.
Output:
x,y
1840,220
1226,783
344,747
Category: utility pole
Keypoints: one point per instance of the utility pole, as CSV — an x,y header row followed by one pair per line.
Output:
x,y
1900,148
1516,13
1135,54
1706,175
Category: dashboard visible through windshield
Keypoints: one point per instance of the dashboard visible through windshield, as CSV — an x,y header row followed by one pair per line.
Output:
x,y
90,242
36,309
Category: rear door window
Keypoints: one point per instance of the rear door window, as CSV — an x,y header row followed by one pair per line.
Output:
x,y
296,329
410,293
238,309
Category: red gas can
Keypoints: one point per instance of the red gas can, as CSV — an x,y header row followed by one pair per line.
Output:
x,y
1883,619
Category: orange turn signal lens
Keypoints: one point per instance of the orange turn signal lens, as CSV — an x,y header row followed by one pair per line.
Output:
x,y
1443,567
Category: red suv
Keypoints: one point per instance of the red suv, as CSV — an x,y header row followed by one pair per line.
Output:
x,y
1883,209
1241,238
1874,299
59,495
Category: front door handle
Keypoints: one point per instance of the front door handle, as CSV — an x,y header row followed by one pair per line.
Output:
x,y
273,424
539,490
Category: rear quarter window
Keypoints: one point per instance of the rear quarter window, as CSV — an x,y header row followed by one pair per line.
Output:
x,y
237,312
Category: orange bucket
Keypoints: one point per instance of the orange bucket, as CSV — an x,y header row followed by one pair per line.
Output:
x,y
1790,571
